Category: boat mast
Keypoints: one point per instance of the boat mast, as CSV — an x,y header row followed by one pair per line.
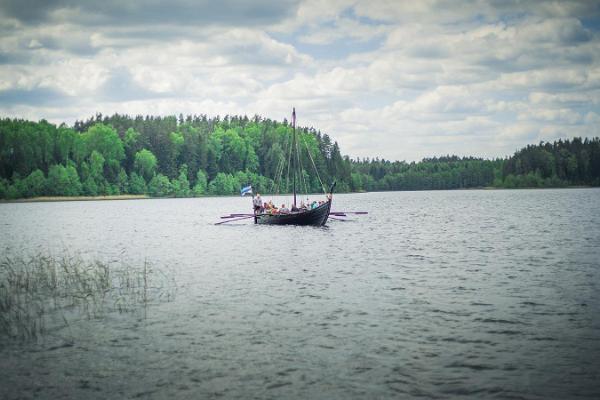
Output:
x,y
294,147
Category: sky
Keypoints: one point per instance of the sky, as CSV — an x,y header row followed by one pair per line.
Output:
x,y
402,80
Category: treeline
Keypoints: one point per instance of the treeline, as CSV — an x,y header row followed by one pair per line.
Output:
x,y
196,155
563,163
448,172
162,156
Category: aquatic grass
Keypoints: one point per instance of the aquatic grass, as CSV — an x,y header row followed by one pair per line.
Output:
x,y
42,289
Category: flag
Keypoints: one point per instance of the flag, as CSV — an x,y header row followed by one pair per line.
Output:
x,y
246,190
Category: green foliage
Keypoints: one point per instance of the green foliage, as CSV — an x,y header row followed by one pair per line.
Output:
x,y
160,186
90,188
96,170
201,184
177,140
4,186
104,140
131,138
64,181
181,185
145,164
223,184
234,151
123,154
137,184
34,185
123,182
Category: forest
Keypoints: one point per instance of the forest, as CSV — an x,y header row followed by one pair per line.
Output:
x,y
197,156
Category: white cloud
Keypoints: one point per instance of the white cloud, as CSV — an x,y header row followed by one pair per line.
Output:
x,y
471,78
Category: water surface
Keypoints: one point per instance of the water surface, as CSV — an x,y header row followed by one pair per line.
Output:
x,y
444,294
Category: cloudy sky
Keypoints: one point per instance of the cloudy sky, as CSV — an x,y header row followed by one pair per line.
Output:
x,y
395,79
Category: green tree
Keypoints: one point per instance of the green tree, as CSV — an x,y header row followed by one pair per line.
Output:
x,y
63,181
234,150
96,174
97,166
34,184
90,188
160,186
223,184
105,140
145,164
201,183
123,182
132,141
181,185
137,184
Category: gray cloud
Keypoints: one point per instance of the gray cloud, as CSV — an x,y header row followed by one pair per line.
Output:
x,y
121,86
34,97
15,58
133,12
30,11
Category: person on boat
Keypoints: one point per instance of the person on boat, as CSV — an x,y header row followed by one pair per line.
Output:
x,y
314,205
272,208
284,209
257,202
265,208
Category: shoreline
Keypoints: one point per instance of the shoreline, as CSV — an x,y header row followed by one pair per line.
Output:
x,y
50,199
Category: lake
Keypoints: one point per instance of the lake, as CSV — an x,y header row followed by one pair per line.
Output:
x,y
439,294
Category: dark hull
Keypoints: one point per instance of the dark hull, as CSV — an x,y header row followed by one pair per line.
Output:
x,y
316,217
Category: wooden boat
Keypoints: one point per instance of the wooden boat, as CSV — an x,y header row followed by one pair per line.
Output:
x,y
316,217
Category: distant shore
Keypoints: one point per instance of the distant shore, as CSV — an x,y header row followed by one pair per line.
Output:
x,y
78,198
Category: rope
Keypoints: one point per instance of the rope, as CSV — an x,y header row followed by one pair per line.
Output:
x,y
314,166
279,173
302,180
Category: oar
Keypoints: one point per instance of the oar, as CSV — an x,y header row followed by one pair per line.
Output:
x,y
349,212
237,215
231,220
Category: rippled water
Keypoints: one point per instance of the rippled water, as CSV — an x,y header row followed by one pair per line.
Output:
x,y
446,294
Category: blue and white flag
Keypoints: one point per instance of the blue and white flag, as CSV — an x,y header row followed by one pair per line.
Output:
x,y
246,190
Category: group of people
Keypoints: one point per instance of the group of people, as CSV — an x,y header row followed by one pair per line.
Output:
x,y
270,208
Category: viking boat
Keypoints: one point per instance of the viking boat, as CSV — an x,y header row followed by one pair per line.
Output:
x,y
298,216
306,214
316,216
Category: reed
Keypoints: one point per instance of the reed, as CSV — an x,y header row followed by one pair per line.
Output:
x,y
43,292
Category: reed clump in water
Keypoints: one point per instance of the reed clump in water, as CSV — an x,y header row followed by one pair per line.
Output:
x,y
40,290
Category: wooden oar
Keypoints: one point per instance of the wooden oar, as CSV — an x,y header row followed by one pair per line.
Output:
x,y
231,220
349,212
237,215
